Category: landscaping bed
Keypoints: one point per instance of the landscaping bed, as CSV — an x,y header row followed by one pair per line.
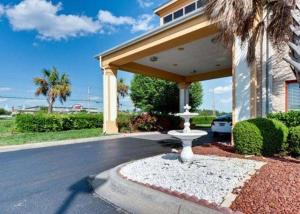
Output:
x,y
275,189
207,178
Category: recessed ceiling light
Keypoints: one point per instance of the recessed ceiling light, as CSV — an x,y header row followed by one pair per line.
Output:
x,y
180,49
154,59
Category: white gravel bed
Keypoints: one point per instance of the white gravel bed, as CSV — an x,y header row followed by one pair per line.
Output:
x,y
210,178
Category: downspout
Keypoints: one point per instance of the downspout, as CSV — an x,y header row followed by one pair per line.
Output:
x,y
267,68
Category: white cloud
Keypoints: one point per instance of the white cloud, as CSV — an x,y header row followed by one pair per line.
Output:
x,y
108,18
145,3
222,89
141,23
50,23
2,10
42,16
5,89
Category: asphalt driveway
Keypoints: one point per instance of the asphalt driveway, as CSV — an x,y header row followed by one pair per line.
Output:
x,y
54,179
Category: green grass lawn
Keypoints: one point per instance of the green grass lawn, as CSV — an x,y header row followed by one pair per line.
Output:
x,y
203,125
9,136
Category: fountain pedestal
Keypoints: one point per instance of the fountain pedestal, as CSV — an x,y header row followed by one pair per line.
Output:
x,y
187,135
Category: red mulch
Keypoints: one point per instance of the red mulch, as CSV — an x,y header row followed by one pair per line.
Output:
x,y
274,189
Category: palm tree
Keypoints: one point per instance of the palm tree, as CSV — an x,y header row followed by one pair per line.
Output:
x,y
53,86
250,20
122,91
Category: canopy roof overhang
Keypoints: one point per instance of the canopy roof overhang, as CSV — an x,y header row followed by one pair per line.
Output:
x,y
182,51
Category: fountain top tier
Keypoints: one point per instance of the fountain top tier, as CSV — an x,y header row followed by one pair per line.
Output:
x,y
187,115
187,112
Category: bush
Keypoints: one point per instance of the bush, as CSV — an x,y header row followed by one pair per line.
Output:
x,y
57,122
290,119
168,122
203,120
260,136
4,112
294,141
145,122
125,122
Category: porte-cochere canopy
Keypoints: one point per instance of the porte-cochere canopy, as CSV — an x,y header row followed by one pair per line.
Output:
x,y
183,51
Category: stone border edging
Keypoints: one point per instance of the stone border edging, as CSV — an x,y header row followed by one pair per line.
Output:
x,y
71,141
137,198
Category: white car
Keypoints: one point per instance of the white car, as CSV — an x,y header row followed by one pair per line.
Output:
x,y
222,125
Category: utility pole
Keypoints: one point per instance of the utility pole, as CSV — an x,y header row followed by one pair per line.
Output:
x,y
213,102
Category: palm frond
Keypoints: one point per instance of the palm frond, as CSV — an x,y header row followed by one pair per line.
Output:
x,y
280,20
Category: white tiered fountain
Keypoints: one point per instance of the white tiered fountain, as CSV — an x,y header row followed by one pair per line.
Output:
x,y
187,135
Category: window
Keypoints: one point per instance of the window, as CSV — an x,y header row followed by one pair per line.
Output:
x,y
196,5
168,18
190,8
200,4
293,96
178,13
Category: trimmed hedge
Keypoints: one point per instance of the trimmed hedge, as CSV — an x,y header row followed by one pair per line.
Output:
x,y
294,141
290,119
203,119
57,122
260,136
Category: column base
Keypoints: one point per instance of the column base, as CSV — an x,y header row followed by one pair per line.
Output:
x,y
110,127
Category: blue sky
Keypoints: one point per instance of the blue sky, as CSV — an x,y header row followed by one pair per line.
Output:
x,y
37,34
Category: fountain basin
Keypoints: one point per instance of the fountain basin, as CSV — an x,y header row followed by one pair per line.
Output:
x,y
186,138
191,135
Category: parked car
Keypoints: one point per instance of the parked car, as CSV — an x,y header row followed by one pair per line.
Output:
x,y
222,125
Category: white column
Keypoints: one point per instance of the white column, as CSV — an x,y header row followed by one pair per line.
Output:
x,y
242,83
110,100
183,95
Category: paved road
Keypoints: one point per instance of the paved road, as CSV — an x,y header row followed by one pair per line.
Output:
x,y
53,179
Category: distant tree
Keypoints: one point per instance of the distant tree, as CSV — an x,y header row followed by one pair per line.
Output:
x,y
122,91
156,95
53,86
3,112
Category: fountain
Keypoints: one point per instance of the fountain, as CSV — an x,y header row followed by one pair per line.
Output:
x,y
187,135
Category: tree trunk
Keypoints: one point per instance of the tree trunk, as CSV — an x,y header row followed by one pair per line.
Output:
x,y
50,106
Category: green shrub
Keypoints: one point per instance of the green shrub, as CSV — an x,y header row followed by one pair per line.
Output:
x,y
290,119
57,122
294,141
202,120
260,136
125,122
167,122
145,122
4,112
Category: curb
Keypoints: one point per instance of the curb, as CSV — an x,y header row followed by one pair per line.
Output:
x,y
69,142
137,198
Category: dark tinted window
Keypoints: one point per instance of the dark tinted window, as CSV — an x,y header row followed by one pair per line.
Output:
x,y
200,4
190,8
178,13
224,118
168,18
